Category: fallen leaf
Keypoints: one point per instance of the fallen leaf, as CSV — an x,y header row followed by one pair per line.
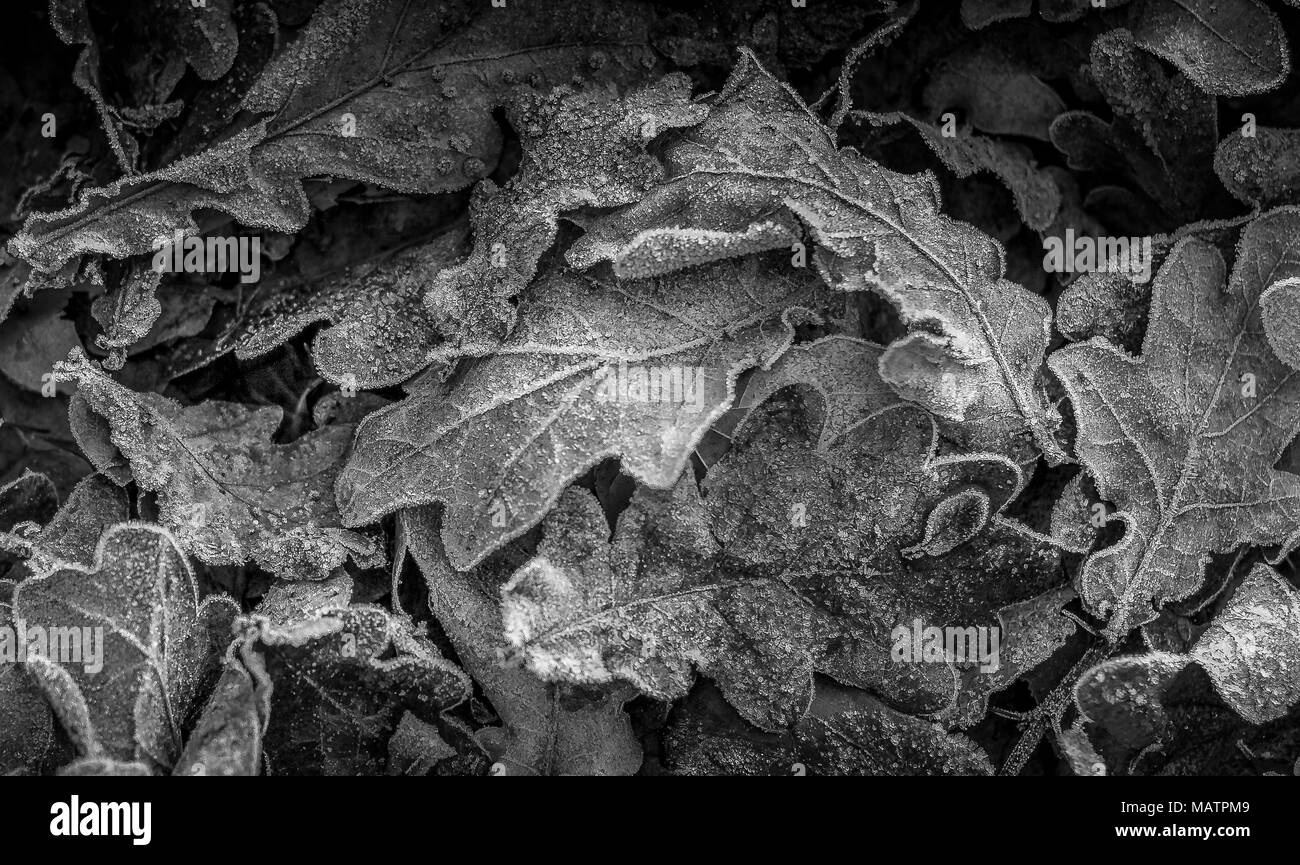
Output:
x,y
378,91
543,732
340,683
1179,438
1227,49
569,387
791,561
976,341
226,492
1261,169
146,645
847,732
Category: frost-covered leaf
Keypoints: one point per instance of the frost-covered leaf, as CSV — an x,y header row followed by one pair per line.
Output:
x,y
1163,132
544,731
147,645
134,321
128,313
1281,309
287,601
1105,303
596,367
1074,522
580,149
380,332
94,505
1228,49
1114,304
225,490
71,534
99,767
416,747
846,732
1035,192
228,737
340,683
30,498
1263,168
789,562
1183,439
175,35
1250,653
1252,648
379,91
976,340
26,724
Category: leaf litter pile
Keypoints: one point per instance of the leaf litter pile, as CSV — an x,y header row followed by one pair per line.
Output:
x,y
606,387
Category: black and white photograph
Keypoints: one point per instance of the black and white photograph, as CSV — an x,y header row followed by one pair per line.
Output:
x,y
788,388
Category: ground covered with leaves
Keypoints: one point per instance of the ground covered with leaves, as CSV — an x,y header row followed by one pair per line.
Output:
x,y
602,387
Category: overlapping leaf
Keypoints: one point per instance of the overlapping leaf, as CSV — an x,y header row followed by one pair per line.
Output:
x,y
157,645
569,387
340,683
792,561
544,731
228,737
1260,165
977,340
1163,132
581,149
1035,192
1184,439
1227,49
381,91
1251,653
227,493
846,732
381,333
